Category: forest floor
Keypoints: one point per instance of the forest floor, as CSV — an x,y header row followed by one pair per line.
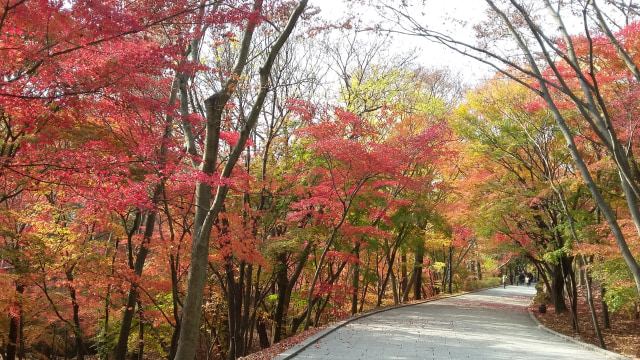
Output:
x,y
623,337
284,345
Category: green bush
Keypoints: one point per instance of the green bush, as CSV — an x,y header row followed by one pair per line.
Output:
x,y
482,284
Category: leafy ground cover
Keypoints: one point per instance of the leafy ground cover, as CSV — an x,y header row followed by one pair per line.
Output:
x,y
623,337
283,345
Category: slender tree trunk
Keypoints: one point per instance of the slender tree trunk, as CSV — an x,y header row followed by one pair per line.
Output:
x,y
234,305
355,284
282,283
285,287
556,290
257,301
176,305
405,291
14,327
592,308
316,275
191,312
356,280
394,286
246,311
417,285
450,269
385,281
573,296
404,277
77,330
140,332
605,309
143,251
365,288
132,299
262,333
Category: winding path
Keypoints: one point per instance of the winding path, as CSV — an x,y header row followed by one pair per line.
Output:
x,y
489,324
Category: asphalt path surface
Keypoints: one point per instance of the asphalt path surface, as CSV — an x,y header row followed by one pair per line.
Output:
x,y
489,324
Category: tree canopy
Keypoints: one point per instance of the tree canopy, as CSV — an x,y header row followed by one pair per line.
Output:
x,y
202,179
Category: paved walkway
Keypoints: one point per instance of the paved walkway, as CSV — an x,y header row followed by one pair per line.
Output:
x,y
490,324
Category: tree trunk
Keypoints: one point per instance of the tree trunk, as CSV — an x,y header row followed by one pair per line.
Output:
x,y
77,330
246,311
572,291
594,316
234,306
556,290
262,333
417,285
356,280
140,333
591,113
450,267
394,286
605,309
132,298
355,284
282,282
12,346
316,274
285,287
404,277
365,288
191,313
176,305
14,327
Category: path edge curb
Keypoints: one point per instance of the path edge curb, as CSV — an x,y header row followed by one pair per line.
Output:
x,y
608,353
298,348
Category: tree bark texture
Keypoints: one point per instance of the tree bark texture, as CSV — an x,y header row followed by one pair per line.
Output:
x,y
207,212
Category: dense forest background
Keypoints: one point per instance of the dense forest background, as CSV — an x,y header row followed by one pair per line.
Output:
x,y
202,179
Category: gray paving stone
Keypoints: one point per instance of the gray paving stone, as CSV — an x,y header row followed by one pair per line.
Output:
x,y
490,324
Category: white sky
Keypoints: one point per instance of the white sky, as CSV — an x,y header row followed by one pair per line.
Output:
x,y
454,17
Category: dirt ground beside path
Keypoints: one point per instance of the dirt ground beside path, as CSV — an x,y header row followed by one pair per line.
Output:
x,y
623,337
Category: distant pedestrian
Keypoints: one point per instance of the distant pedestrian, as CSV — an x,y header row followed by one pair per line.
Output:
x,y
527,280
504,281
521,279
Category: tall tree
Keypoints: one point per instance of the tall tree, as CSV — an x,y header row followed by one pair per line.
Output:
x,y
208,209
550,59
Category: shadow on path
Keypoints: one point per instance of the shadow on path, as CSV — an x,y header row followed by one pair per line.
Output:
x,y
489,324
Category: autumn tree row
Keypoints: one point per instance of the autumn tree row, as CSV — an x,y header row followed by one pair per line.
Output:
x,y
555,132
174,182
173,187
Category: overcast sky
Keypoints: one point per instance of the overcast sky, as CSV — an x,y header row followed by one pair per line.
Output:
x,y
454,17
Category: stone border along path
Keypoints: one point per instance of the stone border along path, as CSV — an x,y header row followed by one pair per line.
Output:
x,y
488,324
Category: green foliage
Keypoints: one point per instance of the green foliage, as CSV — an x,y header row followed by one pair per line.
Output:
x,y
622,298
621,293
554,256
438,266
485,283
489,264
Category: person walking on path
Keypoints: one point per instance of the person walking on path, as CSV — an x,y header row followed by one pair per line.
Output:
x,y
504,281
